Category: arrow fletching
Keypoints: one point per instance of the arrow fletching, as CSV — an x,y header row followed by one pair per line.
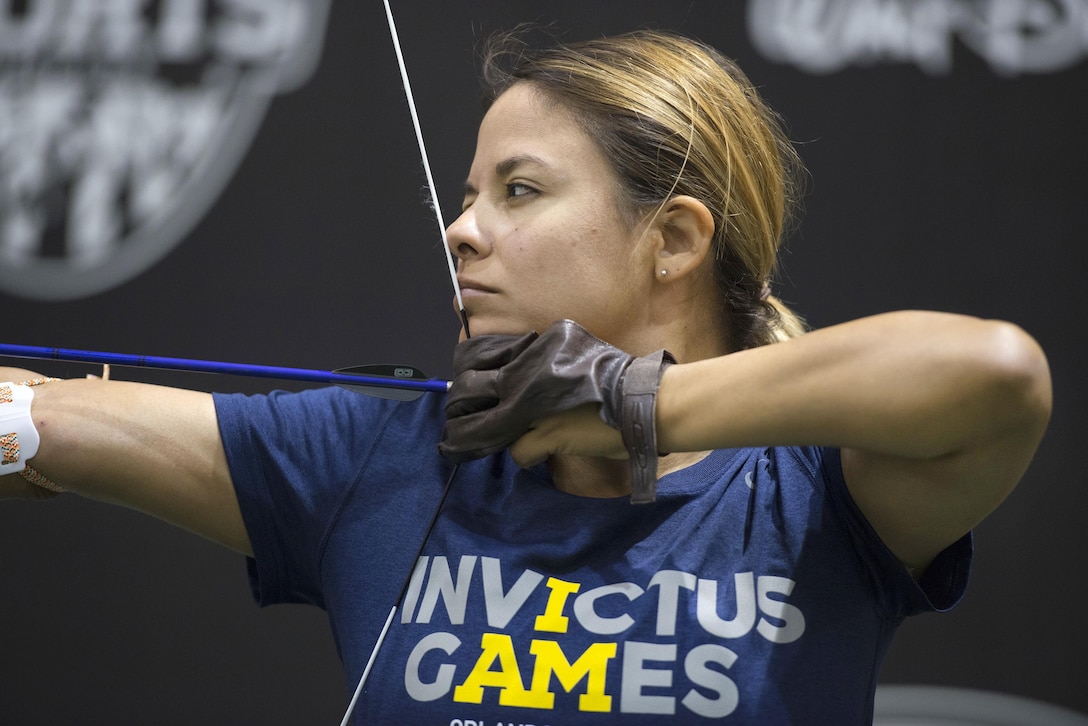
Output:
x,y
394,373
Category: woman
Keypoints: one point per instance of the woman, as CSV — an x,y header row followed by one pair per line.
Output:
x,y
819,487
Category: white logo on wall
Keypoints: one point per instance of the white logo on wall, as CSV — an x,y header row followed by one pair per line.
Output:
x,y
1012,36
122,120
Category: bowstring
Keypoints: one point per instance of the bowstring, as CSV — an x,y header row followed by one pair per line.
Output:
x,y
400,598
464,321
426,161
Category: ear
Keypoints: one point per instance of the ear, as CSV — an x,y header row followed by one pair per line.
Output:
x,y
685,237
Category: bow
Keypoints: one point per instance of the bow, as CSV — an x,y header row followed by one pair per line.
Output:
x,y
398,382
386,381
464,321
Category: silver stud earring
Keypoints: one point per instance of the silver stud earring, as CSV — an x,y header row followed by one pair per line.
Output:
x,y
664,273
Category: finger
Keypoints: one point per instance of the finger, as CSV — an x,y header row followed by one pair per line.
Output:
x,y
105,373
578,431
472,392
468,438
530,450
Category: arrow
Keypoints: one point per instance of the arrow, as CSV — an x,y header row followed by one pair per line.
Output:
x,y
398,382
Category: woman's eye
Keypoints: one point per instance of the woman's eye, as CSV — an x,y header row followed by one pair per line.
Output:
x,y
515,190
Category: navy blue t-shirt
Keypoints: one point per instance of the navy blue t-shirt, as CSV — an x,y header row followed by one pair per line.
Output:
x,y
752,591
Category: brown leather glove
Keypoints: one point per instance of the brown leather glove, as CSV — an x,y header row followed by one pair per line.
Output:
x,y
503,383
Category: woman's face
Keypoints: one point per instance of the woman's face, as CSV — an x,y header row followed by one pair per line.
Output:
x,y
541,236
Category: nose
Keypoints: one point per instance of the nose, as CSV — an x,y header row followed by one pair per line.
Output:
x,y
464,238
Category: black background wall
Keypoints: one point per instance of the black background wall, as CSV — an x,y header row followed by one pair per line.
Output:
x,y
959,189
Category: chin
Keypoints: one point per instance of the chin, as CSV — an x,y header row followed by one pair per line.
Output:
x,y
483,326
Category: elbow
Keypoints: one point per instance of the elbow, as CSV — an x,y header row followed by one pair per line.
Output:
x,y
1020,376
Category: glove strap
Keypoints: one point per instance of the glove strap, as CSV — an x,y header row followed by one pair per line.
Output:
x,y
638,428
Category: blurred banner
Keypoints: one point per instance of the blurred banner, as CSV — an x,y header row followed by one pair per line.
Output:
x,y
1011,36
121,123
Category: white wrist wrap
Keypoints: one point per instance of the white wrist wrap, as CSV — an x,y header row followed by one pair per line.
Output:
x,y
18,438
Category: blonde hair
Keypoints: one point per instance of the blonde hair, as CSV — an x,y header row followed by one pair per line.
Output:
x,y
675,117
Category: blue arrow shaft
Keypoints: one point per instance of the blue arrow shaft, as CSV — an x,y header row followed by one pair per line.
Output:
x,y
206,366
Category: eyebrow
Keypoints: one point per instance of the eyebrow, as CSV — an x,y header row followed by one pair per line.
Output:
x,y
506,166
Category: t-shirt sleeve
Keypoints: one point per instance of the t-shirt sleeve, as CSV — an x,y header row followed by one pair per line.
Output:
x,y
293,458
939,589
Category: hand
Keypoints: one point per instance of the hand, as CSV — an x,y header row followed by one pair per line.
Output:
x,y
579,431
506,385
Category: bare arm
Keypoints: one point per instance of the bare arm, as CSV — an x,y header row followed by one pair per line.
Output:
x,y
149,448
937,415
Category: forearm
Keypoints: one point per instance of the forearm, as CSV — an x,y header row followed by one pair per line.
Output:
x,y
912,384
150,448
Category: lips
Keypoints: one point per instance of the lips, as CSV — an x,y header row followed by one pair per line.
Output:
x,y
466,285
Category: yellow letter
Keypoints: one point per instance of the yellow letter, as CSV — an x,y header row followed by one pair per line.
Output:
x,y
591,665
553,620
508,677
